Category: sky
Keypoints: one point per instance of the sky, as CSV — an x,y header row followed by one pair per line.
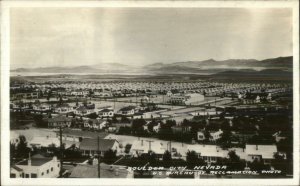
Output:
x,y
42,37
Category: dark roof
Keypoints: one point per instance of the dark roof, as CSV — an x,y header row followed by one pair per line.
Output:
x,y
36,160
16,168
127,108
92,144
84,134
105,110
81,108
91,171
63,105
59,118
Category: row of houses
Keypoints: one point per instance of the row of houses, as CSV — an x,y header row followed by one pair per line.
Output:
x,y
209,153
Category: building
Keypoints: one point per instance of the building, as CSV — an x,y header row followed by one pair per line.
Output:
x,y
75,136
186,99
127,111
43,141
63,109
215,135
94,124
263,153
84,110
90,146
209,153
24,95
59,121
140,147
106,171
106,113
200,135
36,166
42,107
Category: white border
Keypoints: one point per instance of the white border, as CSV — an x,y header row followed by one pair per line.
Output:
x,y
5,58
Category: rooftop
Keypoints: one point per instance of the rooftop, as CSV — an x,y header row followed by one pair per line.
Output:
x,y
106,171
36,160
92,144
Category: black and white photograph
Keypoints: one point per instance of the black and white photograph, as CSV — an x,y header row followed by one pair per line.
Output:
x,y
149,92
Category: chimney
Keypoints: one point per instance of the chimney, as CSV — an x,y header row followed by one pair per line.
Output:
x,y
95,161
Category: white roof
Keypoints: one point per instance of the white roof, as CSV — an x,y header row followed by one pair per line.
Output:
x,y
44,141
208,150
266,151
143,145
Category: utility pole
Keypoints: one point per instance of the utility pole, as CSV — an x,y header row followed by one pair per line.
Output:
x,y
98,140
61,152
171,149
149,144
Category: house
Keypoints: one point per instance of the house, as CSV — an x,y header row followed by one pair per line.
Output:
x,y
91,146
263,153
169,93
140,147
63,109
106,113
36,166
14,137
95,124
78,93
127,111
156,127
72,135
42,107
209,153
59,121
200,135
43,141
84,110
102,94
214,136
186,99
106,171
279,136
16,172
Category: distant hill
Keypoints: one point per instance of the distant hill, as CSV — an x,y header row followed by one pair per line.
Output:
x,y
283,65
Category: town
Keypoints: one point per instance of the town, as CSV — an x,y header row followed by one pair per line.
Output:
x,y
101,129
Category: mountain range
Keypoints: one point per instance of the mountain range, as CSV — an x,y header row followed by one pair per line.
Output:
x,y
210,66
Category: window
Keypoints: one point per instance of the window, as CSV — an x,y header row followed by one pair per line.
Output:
x,y
51,169
42,173
26,175
48,171
12,175
33,175
57,165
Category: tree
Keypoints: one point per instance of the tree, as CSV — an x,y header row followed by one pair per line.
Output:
x,y
60,100
193,160
234,161
109,156
12,152
225,139
124,119
137,126
279,163
22,151
165,132
49,95
167,159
